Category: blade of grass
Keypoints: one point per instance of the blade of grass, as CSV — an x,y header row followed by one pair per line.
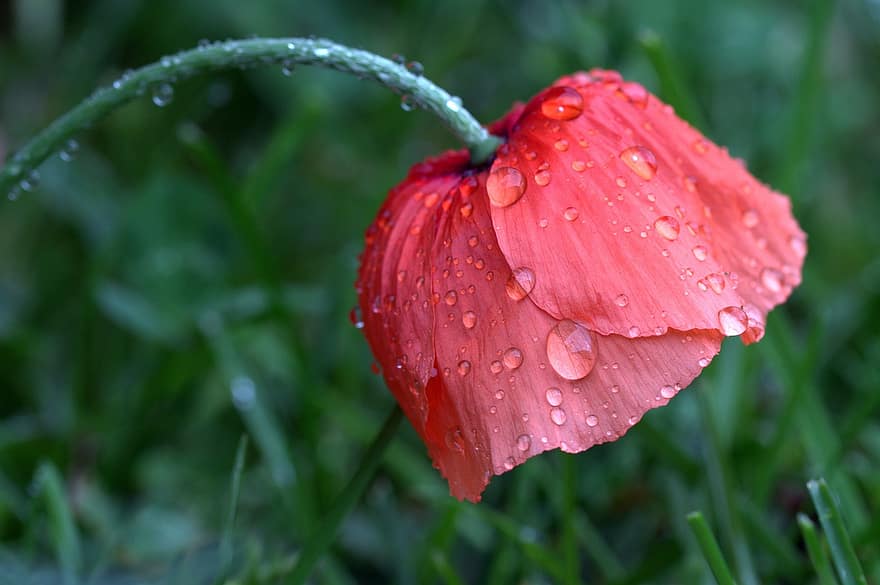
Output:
x,y
65,537
594,544
710,549
320,541
671,85
567,508
816,551
234,490
845,561
445,569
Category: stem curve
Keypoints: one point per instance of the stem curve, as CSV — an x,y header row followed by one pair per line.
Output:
x,y
217,56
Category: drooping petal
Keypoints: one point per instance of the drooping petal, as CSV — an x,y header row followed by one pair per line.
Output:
x,y
633,222
513,381
394,285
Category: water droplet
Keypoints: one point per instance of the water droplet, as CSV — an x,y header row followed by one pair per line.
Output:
x,y
641,160
570,214
621,300
716,282
509,463
667,392
700,146
772,279
571,350
287,67
455,439
634,331
244,392
703,362
578,166
321,52
407,103
163,94
542,178
733,321
553,396
464,367
68,153
453,103
415,68
451,297
561,145
512,358
557,415
356,317
523,442
562,103
798,245
667,226
505,186
700,253
750,218
592,420
468,319
31,182
520,283
495,367
398,58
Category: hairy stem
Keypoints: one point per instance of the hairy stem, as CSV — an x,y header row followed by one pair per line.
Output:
x,y
418,91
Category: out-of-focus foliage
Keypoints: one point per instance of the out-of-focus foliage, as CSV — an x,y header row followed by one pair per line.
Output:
x,y
187,279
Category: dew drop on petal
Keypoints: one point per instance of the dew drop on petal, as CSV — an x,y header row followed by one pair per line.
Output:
x,y
798,245
451,297
542,178
667,392
523,442
621,300
455,439
700,253
592,420
557,415
468,319
553,396
716,282
667,226
641,160
464,367
571,350
733,321
512,358
505,186
562,103
750,218
772,279
495,367
578,166
570,214
509,463
520,283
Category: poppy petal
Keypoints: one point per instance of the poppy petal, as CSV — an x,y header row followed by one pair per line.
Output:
x,y
632,222
514,381
394,287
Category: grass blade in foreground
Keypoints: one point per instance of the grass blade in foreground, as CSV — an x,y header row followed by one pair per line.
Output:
x,y
66,539
845,561
817,553
710,548
321,540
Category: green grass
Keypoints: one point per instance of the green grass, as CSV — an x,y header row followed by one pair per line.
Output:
x,y
184,400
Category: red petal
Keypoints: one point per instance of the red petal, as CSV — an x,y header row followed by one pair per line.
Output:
x,y
499,399
633,222
394,285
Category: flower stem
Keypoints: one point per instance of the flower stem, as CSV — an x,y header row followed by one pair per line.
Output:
x,y
218,56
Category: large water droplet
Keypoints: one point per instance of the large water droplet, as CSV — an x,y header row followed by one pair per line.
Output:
x,y
641,160
512,358
542,178
450,298
468,319
553,396
733,321
667,392
571,350
520,283
592,420
505,186
562,103
523,442
667,226
464,367
570,214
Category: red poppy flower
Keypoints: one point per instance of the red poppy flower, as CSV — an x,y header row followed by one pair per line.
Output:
x,y
591,272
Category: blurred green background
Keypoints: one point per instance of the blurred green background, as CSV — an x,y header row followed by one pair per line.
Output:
x,y
186,281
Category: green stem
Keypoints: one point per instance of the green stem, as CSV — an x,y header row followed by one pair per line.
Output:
x,y
318,543
710,549
845,561
288,52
